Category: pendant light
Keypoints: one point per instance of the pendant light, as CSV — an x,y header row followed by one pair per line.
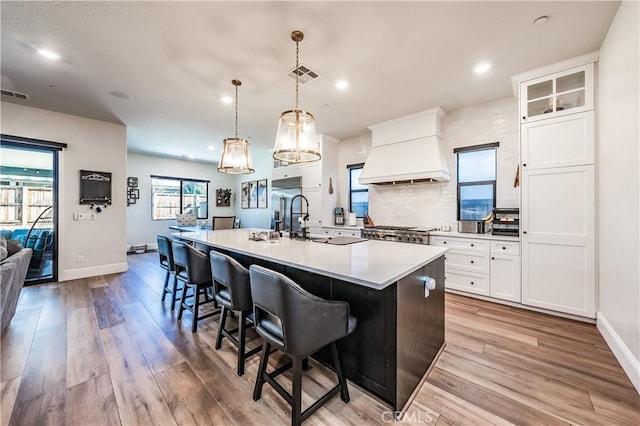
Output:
x,y
235,159
296,139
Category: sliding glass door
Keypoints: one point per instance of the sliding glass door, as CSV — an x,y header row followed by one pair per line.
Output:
x,y
28,204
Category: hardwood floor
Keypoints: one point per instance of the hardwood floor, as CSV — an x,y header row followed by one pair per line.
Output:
x,y
105,350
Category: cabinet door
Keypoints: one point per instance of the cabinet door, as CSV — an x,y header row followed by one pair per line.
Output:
x,y
559,276
467,261
566,92
286,172
559,204
312,175
505,277
558,244
314,197
558,142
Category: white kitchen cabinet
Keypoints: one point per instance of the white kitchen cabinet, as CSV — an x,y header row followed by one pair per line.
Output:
x,y
283,172
565,92
557,214
467,265
558,247
340,232
317,179
558,142
506,282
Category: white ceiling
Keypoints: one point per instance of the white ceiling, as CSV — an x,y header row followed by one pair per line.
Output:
x,y
176,59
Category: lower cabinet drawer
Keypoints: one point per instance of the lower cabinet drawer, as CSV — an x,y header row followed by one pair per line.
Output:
x,y
468,261
469,282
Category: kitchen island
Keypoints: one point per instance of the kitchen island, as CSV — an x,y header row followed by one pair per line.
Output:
x,y
400,331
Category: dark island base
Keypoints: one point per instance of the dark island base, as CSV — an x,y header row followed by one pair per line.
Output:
x,y
399,331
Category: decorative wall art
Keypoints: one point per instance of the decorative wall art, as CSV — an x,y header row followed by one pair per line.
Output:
x,y
223,197
262,194
95,187
133,193
254,194
244,191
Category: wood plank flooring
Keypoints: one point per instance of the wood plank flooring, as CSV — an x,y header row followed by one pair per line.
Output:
x,y
106,351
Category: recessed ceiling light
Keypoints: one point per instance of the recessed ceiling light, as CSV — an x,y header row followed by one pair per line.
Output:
x,y
342,84
211,147
50,54
540,20
482,67
226,99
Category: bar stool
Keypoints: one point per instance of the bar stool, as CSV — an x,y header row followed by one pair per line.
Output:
x,y
233,292
299,324
193,269
165,253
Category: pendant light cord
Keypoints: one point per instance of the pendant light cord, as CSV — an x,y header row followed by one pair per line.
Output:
x,y
297,72
236,112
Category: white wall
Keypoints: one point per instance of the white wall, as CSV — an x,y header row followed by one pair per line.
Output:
x,y
141,229
434,204
256,218
619,189
92,145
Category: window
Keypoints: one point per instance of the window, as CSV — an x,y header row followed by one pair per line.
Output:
x,y
358,194
171,196
476,181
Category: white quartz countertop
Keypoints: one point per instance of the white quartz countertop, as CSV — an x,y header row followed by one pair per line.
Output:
x,y
489,236
374,264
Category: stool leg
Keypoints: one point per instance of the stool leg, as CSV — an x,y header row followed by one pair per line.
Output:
x,y
223,320
182,300
174,296
296,392
344,391
264,361
241,342
165,288
305,363
196,304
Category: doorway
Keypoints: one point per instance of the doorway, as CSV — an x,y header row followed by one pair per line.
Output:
x,y
28,203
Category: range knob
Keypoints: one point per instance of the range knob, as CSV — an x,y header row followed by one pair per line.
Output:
x,y
419,239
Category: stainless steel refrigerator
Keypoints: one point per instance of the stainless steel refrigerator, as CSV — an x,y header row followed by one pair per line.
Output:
x,y
282,191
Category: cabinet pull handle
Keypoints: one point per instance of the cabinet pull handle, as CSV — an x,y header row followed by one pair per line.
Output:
x,y
504,248
471,282
471,245
444,242
524,165
524,117
472,261
524,232
493,258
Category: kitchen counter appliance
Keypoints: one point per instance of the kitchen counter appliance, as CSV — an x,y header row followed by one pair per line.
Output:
x,y
474,226
403,234
339,216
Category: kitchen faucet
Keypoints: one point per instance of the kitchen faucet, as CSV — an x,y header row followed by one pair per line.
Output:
x,y
304,218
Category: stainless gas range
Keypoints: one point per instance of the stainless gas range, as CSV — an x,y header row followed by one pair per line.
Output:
x,y
403,234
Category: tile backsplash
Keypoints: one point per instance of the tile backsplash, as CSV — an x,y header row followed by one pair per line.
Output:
x,y
434,204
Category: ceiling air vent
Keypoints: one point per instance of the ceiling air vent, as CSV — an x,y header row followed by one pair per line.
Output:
x,y
305,75
13,94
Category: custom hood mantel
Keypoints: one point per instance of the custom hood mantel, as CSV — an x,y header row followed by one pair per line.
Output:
x,y
407,149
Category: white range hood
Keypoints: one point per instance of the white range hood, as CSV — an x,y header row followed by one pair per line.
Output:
x,y
407,149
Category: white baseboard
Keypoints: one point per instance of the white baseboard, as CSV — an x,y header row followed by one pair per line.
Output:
x,y
629,364
92,271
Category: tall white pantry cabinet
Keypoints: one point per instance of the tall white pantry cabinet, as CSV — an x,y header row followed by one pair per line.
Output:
x,y
557,133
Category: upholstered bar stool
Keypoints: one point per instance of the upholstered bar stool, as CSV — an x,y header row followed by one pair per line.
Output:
x,y
233,292
193,270
299,324
165,252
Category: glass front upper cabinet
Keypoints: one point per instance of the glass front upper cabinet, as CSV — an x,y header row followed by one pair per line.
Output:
x,y
565,92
